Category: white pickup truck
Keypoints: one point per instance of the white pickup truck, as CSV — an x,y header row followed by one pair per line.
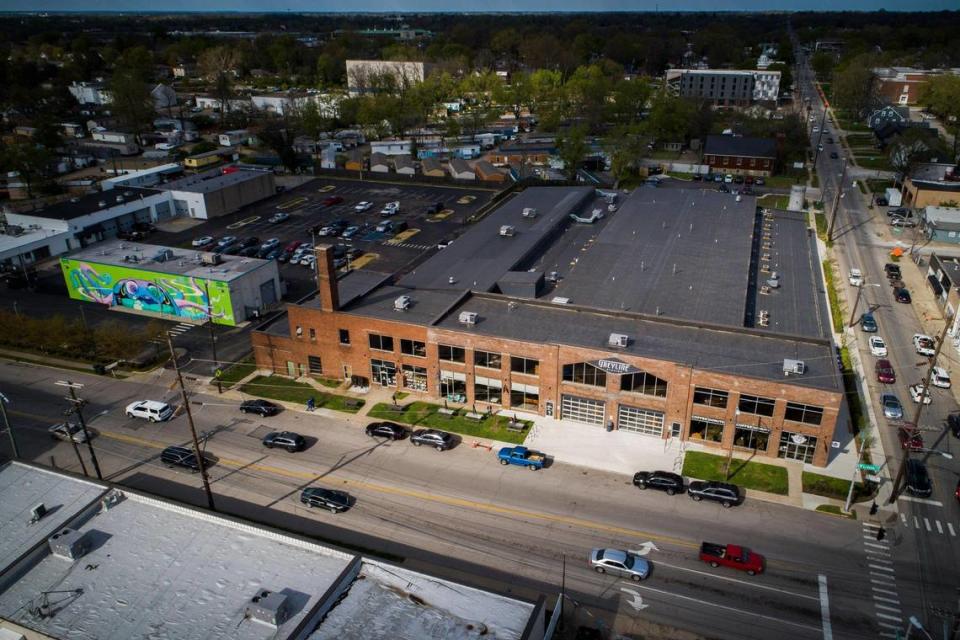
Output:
x,y
856,278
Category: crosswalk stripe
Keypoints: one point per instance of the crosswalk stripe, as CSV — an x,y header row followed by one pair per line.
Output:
x,y
883,560
882,599
916,523
887,591
887,583
890,626
870,525
889,617
903,517
879,545
886,607
950,527
880,568
926,523
939,527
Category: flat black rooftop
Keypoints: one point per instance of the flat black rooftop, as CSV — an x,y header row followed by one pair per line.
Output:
x,y
85,205
681,253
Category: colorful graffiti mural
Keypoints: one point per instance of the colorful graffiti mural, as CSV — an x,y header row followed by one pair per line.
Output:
x,y
183,297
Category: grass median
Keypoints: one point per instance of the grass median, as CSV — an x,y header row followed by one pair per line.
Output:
x,y
836,309
829,487
424,414
277,388
746,474
237,372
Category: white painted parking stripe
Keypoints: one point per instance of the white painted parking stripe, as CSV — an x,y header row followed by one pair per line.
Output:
x,y
939,526
926,523
880,567
825,609
887,607
950,527
887,616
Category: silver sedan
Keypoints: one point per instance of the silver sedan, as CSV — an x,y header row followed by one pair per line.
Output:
x,y
620,563
891,406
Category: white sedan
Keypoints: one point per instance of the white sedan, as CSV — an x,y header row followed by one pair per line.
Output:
x,y
363,206
917,391
67,431
878,347
202,242
924,344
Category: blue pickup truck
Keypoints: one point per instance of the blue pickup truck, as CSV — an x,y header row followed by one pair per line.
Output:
x,y
522,456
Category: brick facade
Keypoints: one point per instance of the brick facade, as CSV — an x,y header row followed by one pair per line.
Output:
x,y
740,165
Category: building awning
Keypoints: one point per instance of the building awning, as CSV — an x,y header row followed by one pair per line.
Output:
x,y
935,284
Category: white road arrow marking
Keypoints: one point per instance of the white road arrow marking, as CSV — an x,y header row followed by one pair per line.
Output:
x,y
644,549
636,601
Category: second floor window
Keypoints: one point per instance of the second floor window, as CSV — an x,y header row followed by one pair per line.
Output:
x,y
524,365
487,359
413,348
450,353
756,405
381,343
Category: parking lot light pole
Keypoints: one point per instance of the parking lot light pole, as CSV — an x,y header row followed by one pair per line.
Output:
x,y
856,302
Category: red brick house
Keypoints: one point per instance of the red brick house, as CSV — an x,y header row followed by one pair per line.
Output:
x,y
740,155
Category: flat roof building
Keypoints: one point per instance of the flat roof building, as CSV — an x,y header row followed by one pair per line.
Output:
x,y
685,313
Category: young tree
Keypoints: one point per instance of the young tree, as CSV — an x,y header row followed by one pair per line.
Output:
x,y
220,64
132,103
854,88
941,95
572,147
626,147
30,161
822,64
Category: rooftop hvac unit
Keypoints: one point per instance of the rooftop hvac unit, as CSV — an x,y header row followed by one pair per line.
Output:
x,y
68,543
560,300
211,258
402,303
38,512
268,608
793,367
529,212
506,230
468,317
618,340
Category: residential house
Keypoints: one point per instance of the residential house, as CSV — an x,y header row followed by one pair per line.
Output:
x,y
489,173
943,278
92,93
378,163
184,70
740,155
404,165
392,147
233,138
519,152
328,157
350,138
942,224
466,151
932,184
461,170
432,167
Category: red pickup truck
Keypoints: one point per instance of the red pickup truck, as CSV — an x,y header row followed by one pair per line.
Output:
x,y
731,555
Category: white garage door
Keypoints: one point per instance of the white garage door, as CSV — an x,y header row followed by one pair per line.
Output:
x,y
582,409
640,420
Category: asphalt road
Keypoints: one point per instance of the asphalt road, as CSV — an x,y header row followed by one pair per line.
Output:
x,y
926,581
459,514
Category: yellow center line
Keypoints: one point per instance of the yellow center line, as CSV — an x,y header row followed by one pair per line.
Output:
x,y
432,497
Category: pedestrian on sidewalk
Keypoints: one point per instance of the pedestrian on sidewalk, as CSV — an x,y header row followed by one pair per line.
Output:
x,y
311,404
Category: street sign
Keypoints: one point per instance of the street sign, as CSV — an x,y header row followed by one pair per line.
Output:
x,y
218,373
868,467
873,478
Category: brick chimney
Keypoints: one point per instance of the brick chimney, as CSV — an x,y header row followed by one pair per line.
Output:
x,y
327,278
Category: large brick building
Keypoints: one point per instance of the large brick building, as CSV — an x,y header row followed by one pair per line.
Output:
x,y
688,315
741,155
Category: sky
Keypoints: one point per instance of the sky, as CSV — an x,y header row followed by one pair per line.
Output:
x,y
487,6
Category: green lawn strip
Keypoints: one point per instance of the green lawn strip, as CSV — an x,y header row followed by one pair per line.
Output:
x,y
424,414
879,186
836,511
774,201
333,383
682,175
785,181
277,388
237,372
874,161
749,475
836,310
857,414
836,488
820,219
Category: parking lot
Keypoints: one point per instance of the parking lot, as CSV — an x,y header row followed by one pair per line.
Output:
x,y
323,201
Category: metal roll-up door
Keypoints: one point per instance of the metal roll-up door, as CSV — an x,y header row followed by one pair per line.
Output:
x,y
582,410
639,420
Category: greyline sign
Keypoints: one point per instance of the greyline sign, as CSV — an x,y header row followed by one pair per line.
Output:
x,y
614,366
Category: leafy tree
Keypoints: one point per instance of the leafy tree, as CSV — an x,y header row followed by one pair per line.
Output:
x,y
941,95
822,63
132,103
136,62
30,160
854,86
514,95
626,147
278,137
221,65
669,117
586,93
572,147
630,98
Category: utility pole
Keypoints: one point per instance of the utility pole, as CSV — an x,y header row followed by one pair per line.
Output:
x,y
78,405
6,422
213,339
916,416
836,201
201,462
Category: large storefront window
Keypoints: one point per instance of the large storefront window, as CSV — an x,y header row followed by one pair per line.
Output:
x,y
644,383
524,396
706,429
808,414
710,397
584,373
414,378
756,405
487,390
453,386
796,446
751,437
639,420
384,373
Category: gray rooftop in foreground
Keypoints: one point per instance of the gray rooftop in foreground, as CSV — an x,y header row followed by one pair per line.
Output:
x,y
186,262
211,181
936,172
22,487
681,253
481,256
90,203
732,351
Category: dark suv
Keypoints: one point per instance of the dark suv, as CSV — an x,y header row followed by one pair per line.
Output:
x,y
263,408
723,492
918,479
892,270
953,421
329,499
386,430
180,457
662,480
285,440
436,207
440,440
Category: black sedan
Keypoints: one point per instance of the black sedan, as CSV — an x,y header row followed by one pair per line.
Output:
x,y
386,430
285,440
666,481
329,499
263,408
902,295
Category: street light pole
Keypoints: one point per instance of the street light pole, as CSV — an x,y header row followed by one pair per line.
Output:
x,y
78,405
6,422
916,416
213,339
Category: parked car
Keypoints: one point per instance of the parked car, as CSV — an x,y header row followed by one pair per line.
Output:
x,y
910,438
390,209
202,242
180,457
868,323
829,140
619,563
386,430
278,217
918,479
67,431
877,346
671,483
731,555
226,241
940,378
885,372
329,499
759,181
263,408
350,232
363,206
308,260
522,457
738,179
924,344
953,423
270,243
439,440
332,200
900,294
723,188
891,406
285,440
897,221
252,241
247,252
918,392
293,246
725,493
151,410
855,278
434,208
273,254
892,271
